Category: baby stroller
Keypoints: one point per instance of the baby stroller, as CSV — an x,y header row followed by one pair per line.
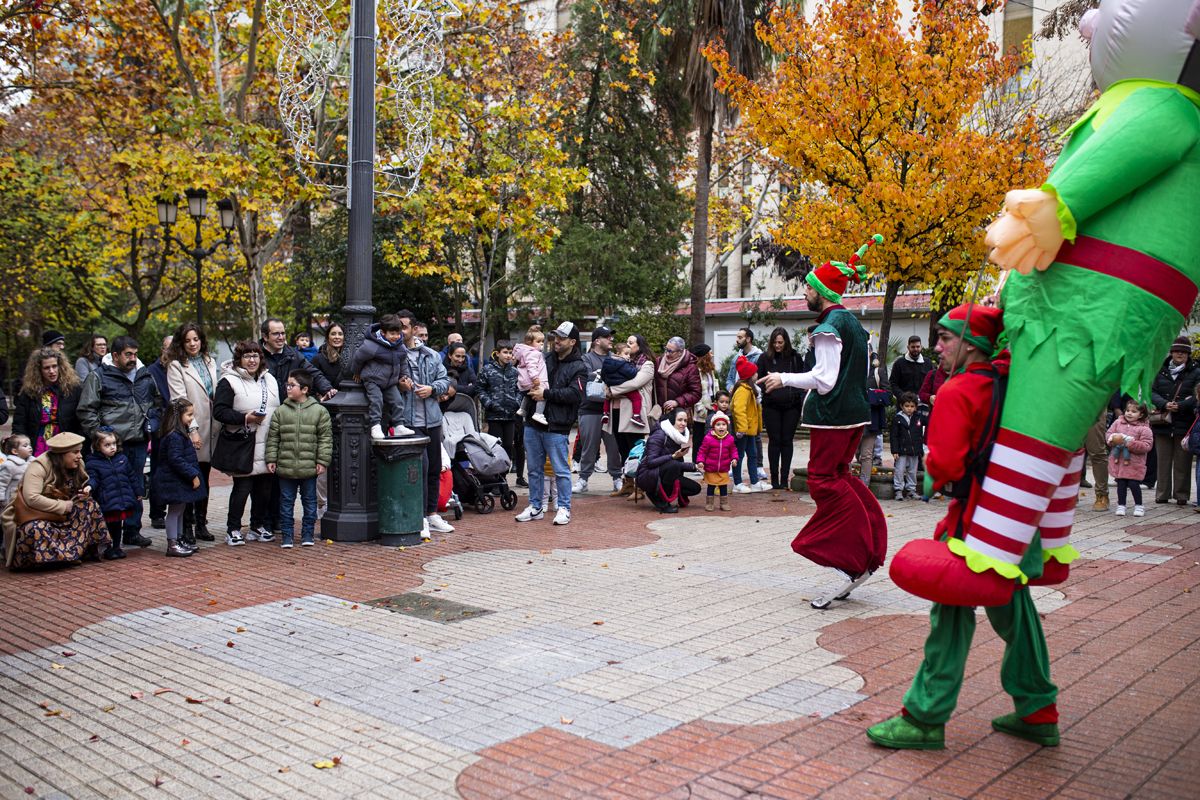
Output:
x,y
480,469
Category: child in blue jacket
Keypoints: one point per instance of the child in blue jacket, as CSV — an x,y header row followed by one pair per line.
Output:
x,y
177,480
114,485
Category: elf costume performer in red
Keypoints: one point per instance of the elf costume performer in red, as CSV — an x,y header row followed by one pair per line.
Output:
x,y
963,422
1108,256
847,533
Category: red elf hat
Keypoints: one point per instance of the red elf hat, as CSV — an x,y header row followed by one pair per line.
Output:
x,y
831,278
979,325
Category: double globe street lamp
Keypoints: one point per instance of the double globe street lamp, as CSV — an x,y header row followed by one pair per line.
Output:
x,y
197,199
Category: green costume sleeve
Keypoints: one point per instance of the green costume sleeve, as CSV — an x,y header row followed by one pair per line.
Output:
x,y
1145,135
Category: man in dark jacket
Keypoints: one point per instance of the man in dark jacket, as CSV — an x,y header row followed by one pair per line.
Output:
x,y
909,370
158,371
1174,392
123,397
281,358
566,376
591,413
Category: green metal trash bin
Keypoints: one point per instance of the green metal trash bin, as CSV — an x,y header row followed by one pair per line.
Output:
x,y
401,476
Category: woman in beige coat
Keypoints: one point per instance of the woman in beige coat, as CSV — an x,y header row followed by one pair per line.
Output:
x,y
627,430
192,373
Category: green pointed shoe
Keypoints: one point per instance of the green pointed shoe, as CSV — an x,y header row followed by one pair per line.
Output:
x,y
905,733
1045,734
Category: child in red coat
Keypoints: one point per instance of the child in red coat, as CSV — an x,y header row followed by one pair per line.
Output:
x,y
717,454
1131,439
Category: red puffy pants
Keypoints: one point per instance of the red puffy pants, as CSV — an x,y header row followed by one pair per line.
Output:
x,y
848,530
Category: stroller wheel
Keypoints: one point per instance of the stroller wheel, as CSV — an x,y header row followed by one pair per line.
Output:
x,y
508,501
486,504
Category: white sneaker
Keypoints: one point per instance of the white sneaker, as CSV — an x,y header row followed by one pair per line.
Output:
x,y
764,485
530,514
1139,511
426,534
562,517
618,483
540,419
234,539
436,523
403,430
1120,512
843,587
377,433
251,535
579,487
742,489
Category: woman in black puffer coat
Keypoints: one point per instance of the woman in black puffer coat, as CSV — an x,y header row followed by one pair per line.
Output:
x,y
781,408
1174,392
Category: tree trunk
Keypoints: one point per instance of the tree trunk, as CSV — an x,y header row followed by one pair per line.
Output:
x,y
700,229
302,277
885,325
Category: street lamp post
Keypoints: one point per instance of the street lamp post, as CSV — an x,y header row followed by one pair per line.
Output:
x,y
197,199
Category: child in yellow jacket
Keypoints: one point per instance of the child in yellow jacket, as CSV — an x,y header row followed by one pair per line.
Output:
x,y
747,423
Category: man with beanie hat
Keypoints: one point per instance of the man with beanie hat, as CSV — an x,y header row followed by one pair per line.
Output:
x,y
848,532
52,338
967,416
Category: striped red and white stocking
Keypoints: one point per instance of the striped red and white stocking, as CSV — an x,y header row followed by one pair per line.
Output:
x,y
1022,479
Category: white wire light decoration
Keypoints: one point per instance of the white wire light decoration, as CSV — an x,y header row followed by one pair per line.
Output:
x,y
314,81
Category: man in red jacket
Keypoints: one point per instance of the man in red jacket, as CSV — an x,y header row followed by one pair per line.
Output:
x,y
965,417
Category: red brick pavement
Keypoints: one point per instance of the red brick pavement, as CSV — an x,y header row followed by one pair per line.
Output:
x,y
45,607
1126,657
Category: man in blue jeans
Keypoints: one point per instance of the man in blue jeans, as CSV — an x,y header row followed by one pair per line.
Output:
x,y
566,375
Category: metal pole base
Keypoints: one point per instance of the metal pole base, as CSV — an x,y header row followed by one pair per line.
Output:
x,y
353,514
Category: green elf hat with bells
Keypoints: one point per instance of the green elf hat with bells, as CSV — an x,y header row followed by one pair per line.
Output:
x,y
979,325
830,279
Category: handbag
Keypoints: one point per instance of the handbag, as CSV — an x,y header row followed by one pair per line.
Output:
x,y
234,453
596,388
1161,417
23,512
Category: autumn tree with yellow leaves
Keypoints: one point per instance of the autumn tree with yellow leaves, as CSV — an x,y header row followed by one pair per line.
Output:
x,y
878,128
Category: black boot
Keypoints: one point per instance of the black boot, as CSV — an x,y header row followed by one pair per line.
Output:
x,y
187,536
201,531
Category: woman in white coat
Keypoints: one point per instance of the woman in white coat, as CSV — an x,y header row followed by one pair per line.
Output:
x,y
192,373
247,396
621,422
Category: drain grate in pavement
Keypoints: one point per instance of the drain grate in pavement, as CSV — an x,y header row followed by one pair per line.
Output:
x,y
424,606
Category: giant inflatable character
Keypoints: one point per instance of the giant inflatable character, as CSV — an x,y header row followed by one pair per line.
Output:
x,y
1107,261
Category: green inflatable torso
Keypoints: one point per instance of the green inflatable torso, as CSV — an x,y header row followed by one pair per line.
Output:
x,y
845,406
1131,165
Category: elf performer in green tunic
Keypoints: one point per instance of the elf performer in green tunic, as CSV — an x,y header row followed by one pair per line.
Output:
x,y
1107,253
847,533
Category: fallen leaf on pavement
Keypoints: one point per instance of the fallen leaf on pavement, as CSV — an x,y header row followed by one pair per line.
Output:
x,y
229,644
328,542
317,702
95,737
604,566
340,576
598,622
212,602
416,658
184,742
54,712
68,653
107,709
135,695
239,629
285,769
354,607
29,790
159,780
157,692
56,666
324,764
566,720
195,701
337,761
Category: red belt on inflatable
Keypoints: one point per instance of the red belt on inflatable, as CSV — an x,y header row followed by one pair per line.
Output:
x,y
1145,272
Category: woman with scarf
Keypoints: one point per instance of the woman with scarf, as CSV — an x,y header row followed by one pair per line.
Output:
x,y
661,469
622,422
676,379
1173,395
49,396
192,373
